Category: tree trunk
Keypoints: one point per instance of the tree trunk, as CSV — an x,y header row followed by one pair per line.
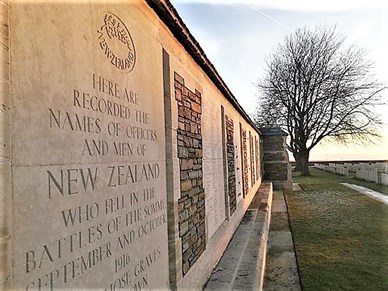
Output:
x,y
302,162
297,161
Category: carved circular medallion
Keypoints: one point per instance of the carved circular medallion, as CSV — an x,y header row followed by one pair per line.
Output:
x,y
116,43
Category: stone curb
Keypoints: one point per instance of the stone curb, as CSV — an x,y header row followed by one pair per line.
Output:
x,y
242,265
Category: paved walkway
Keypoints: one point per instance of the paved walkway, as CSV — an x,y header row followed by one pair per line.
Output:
x,y
371,193
281,269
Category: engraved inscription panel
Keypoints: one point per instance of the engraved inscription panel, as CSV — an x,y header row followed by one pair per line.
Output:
x,y
252,159
230,157
213,165
257,158
88,149
245,161
238,163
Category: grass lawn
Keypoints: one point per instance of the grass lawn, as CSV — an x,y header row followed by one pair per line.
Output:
x,y
341,236
321,177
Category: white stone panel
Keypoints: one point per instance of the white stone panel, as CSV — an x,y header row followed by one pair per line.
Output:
x,y
238,161
213,179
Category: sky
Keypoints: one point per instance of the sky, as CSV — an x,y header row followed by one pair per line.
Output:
x,y
239,36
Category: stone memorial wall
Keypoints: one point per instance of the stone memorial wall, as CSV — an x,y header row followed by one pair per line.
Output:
x,y
88,165
113,174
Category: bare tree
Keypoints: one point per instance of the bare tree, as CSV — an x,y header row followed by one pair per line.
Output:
x,y
315,88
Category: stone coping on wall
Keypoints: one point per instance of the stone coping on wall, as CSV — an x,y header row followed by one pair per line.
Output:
x,y
242,265
170,17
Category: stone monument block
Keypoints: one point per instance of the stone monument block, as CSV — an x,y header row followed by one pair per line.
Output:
x,y
125,161
277,167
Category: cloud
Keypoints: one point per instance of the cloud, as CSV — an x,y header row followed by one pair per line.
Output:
x,y
273,19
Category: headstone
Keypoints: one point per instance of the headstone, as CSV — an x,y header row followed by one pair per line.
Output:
x,y
384,178
382,167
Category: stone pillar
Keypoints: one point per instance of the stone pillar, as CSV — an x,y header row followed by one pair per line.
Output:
x,y
277,167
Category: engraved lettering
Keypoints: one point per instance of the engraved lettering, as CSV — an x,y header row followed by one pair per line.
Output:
x,y
74,122
80,214
123,149
132,173
95,148
71,181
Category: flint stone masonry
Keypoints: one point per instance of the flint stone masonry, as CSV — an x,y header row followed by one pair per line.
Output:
x,y
231,164
274,156
189,148
276,171
277,167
